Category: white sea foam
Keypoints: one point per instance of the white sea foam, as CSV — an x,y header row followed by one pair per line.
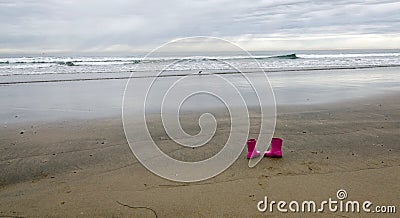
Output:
x,y
272,61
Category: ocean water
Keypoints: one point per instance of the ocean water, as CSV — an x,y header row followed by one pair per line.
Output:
x,y
59,87
27,68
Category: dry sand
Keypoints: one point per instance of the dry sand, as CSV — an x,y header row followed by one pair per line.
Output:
x,y
86,169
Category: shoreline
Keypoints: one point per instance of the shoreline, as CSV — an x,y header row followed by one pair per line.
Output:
x,y
103,98
194,73
82,168
281,109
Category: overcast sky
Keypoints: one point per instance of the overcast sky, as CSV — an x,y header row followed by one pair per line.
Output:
x,y
29,26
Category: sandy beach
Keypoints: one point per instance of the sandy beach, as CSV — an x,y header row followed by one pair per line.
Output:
x,y
178,109
84,168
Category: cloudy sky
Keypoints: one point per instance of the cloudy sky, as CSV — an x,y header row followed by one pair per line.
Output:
x,y
96,26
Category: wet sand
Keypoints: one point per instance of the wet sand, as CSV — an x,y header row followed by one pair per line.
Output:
x,y
84,168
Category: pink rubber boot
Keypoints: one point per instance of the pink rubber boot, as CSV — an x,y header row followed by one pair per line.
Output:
x,y
276,148
251,151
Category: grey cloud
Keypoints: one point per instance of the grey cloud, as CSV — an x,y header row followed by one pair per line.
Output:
x,y
86,25
314,16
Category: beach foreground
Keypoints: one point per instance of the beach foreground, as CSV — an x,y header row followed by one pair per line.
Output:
x,y
85,168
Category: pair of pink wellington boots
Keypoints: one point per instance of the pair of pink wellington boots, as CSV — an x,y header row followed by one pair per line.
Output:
x,y
274,151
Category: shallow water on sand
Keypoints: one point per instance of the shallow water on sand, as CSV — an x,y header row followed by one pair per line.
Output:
x,y
87,99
